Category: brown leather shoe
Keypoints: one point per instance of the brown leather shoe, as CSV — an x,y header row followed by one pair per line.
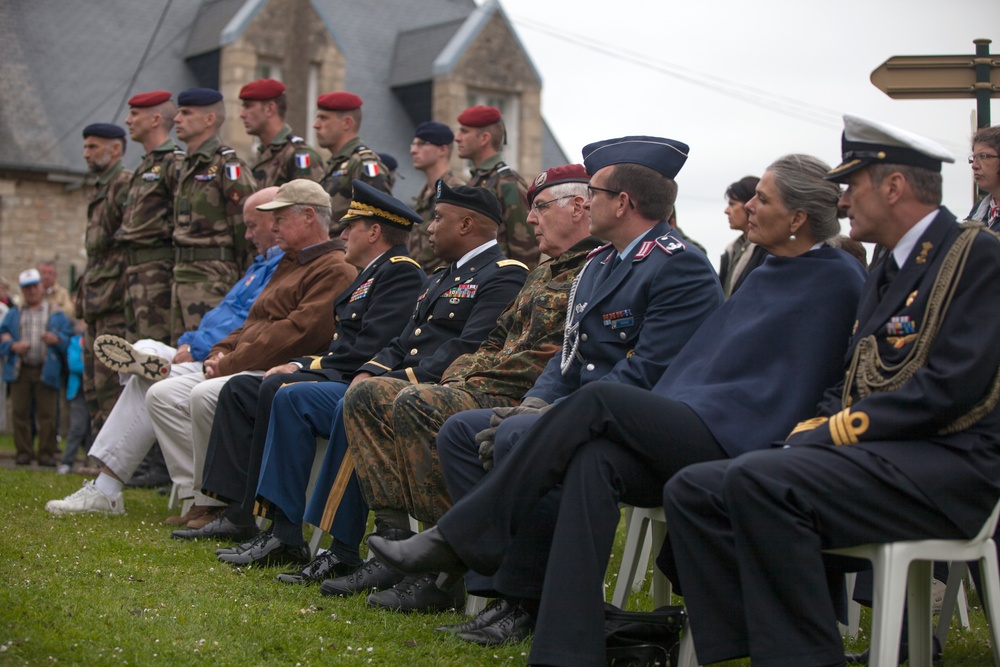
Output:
x,y
193,512
208,515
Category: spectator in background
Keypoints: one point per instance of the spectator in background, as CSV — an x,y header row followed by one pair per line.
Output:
x,y
33,339
741,256
79,416
54,293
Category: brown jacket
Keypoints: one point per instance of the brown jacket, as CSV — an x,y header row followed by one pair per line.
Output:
x,y
293,316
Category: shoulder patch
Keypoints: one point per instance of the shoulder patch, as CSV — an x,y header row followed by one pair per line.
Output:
x,y
403,258
511,262
598,250
670,245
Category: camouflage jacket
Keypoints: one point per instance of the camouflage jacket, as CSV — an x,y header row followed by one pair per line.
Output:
x,y
516,237
419,242
353,160
208,204
286,158
527,334
102,285
149,208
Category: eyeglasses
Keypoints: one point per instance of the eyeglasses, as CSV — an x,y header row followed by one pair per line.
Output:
x,y
614,193
419,143
982,157
538,207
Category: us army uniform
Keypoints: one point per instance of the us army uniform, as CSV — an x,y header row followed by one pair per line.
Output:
x,y
419,244
353,161
146,235
100,299
392,426
211,252
286,158
516,237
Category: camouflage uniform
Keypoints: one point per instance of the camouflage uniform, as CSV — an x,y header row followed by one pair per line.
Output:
x,y
211,252
146,235
286,158
419,243
100,298
516,237
353,160
392,425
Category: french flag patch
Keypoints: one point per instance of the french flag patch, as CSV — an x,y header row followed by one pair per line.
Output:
x,y
302,160
371,169
233,171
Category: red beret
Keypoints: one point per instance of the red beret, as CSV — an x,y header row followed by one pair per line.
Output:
x,y
568,173
479,116
339,101
150,99
262,89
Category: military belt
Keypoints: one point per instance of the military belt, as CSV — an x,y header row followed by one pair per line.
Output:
x,y
138,256
203,254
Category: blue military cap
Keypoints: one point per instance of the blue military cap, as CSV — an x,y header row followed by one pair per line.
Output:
x,y
479,200
866,142
389,161
367,203
198,97
435,133
665,156
104,130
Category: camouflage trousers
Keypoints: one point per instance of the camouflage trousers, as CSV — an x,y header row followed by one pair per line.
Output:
x,y
148,302
392,428
198,287
101,386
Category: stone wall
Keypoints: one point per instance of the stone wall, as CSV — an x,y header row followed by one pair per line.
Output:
x,y
41,219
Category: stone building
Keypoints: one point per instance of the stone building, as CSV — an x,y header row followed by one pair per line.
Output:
x,y
68,64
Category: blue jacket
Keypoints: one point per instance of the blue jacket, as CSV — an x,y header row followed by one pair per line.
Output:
x,y
74,362
232,311
55,355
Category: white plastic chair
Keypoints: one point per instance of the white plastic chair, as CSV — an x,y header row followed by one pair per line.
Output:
x,y
645,530
902,573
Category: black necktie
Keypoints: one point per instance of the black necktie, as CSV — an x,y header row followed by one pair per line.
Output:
x,y
889,271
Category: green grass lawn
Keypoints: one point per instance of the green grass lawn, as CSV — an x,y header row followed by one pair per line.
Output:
x,y
118,591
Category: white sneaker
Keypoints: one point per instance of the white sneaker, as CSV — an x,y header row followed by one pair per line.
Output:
x,y
88,499
64,469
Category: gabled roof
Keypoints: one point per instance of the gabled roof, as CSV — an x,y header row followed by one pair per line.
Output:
x,y
220,22
416,50
467,34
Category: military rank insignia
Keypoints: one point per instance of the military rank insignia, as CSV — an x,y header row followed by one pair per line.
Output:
x,y
362,290
302,160
618,319
233,171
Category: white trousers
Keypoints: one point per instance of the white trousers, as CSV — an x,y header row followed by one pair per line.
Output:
x,y
127,435
182,409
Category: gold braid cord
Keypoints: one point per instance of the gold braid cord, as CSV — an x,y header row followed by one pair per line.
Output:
x,y
870,375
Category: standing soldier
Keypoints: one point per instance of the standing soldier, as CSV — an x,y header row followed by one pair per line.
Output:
x,y
281,156
100,296
481,133
146,234
431,154
338,120
210,249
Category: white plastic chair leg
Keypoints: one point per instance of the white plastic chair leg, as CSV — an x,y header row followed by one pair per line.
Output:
x,y
686,656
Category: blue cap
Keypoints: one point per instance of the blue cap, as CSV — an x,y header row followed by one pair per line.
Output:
x,y
367,203
389,161
479,200
435,133
104,130
665,156
198,97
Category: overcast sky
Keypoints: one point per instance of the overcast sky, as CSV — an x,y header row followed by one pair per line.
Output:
x,y
744,82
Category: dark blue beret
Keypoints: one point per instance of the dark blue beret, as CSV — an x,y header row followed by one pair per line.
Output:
x,y
104,130
435,133
198,97
367,203
389,161
479,200
665,156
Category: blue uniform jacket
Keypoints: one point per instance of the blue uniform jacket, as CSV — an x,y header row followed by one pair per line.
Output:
x,y
907,424
634,321
232,311
371,312
454,315
52,368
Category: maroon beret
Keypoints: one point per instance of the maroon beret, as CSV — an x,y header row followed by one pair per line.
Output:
x,y
262,89
150,99
341,101
567,173
479,116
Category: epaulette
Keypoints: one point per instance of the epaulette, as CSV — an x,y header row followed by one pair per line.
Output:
x,y
511,262
295,139
502,166
403,258
598,250
226,151
668,244
441,268
180,153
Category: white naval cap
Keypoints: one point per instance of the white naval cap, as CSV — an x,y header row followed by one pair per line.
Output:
x,y
866,142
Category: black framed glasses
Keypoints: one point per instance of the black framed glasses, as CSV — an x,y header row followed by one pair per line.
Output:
x,y
982,157
538,207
